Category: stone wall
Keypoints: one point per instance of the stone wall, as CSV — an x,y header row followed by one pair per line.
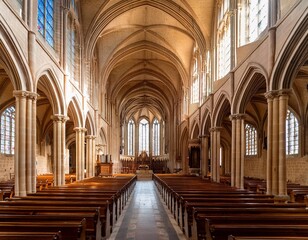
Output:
x,y
6,166
297,169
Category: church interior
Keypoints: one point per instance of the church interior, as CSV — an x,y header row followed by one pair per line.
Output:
x,y
205,102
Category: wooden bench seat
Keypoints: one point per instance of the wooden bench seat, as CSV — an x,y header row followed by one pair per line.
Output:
x,y
263,237
222,231
252,219
30,235
65,205
93,224
69,230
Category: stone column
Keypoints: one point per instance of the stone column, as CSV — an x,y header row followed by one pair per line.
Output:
x,y
276,141
204,155
238,150
59,148
90,160
20,143
215,153
80,162
282,166
31,142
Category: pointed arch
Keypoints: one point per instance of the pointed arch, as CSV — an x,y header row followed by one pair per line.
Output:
x,y
13,61
195,132
49,84
90,126
206,124
254,78
293,55
75,113
221,108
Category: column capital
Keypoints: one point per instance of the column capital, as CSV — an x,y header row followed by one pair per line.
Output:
x,y
277,93
59,117
33,96
237,116
20,93
80,129
216,129
90,137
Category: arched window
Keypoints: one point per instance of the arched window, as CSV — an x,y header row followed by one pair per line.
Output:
x,y
156,137
223,40
144,136
7,132
73,52
195,78
292,133
253,19
130,137
45,20
251,140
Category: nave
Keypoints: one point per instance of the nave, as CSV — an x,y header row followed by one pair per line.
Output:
x,y
146,217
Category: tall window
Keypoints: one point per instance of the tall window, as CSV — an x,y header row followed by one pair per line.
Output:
x,y
7,132
292,133
251,140
253,19
130,137
144,136
195,79
223,40
45,20
156,137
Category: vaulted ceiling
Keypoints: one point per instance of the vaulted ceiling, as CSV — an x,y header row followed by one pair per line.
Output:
x,y
144,49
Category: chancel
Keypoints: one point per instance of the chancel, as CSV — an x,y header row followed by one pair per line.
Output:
x,y
160,119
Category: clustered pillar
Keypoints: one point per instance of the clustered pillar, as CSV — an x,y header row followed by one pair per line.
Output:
x,y
205,155
59,148
238,150
276,141
25,135
215,153
90,159
80,160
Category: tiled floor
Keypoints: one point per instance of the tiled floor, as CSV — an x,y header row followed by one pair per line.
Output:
x,y
146,217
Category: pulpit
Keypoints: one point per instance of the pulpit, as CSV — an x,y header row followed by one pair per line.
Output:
x,y
103,169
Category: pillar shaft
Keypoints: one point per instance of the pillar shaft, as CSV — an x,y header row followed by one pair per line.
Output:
x,y
59,149
276,150
80,147
238,150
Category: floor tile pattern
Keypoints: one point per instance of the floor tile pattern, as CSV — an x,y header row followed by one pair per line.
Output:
x,y
146,217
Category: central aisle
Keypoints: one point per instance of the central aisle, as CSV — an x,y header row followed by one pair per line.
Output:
x,y
145,217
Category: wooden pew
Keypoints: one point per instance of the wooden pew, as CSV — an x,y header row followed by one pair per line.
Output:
x,y
222,231
231,237
202,194
250,219
69,230
30,235
68,203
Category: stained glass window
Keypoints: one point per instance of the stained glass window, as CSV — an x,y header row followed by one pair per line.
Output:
x,y
156,137
7,131
195,80
224,40
251,140
130,137
45,20
144,136
292,133
253,19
